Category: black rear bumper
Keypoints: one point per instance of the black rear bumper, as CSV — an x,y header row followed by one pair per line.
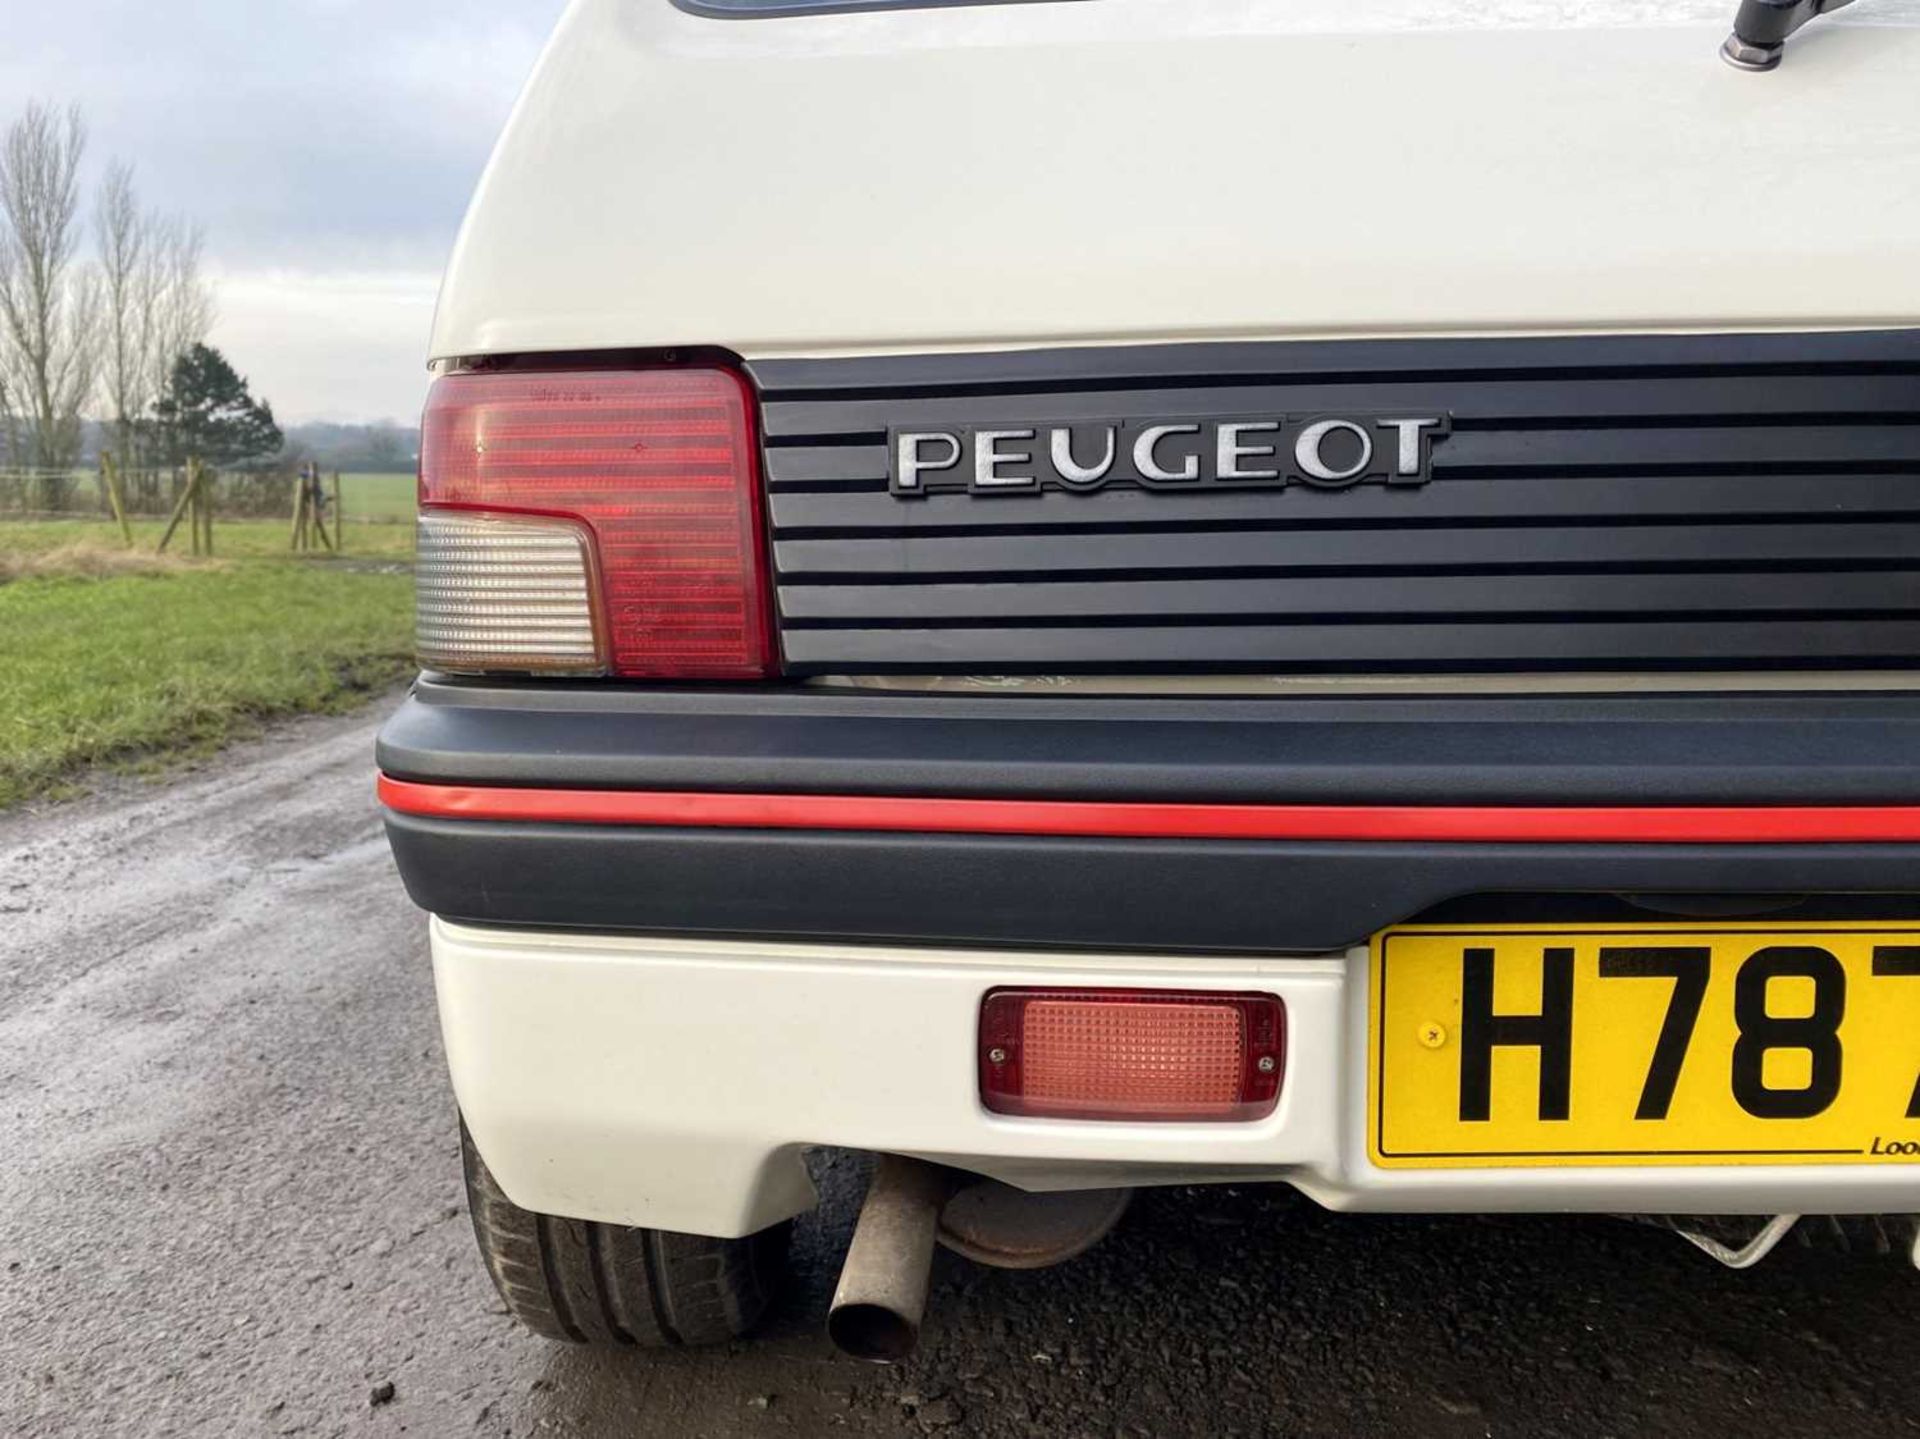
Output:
x,y
1266,895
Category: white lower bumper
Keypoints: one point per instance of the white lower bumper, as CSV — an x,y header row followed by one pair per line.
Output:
x,y
676,1083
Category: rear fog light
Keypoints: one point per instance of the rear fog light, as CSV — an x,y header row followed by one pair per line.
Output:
x,y
1131,1054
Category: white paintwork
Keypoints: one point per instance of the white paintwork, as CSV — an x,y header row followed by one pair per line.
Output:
x,y
675,1084
1110,171
1145,170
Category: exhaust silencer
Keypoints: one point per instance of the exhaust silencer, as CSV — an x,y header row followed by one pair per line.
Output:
x,y
882,1296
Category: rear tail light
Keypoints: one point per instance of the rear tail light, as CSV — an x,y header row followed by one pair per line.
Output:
x,y
635,489
1131,1054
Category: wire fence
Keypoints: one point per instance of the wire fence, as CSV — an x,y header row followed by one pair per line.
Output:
x,y
59,494
38,494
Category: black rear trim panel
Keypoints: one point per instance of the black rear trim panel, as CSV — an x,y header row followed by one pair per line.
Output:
x,y
1724,501
1116,893
1267,897
1710,749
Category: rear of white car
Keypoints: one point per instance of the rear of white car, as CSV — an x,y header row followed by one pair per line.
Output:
x,y
1120,592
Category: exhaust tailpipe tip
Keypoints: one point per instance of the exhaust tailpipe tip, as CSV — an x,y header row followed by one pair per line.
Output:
x,y
872,1332
882,1297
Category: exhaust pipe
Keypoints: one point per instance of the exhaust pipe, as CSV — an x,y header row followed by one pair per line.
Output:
x,y
882,1296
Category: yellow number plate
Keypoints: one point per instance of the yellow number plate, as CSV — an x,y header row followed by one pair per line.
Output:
x,y
1656,1044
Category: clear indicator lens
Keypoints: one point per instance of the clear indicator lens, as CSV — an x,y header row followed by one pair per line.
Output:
x,y
505,592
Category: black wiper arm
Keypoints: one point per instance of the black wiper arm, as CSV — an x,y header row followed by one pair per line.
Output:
x,y
1761,29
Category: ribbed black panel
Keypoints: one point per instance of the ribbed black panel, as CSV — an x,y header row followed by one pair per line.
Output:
x,y
1607,503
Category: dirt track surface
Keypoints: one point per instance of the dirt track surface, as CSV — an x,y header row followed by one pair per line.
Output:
x,y
230,1204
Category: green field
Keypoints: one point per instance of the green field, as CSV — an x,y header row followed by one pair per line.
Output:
x,y
371,498
377,497
113,656
232,539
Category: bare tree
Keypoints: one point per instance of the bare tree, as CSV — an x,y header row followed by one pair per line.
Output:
x,y
12,448
180,303
174,305
48,303
125,331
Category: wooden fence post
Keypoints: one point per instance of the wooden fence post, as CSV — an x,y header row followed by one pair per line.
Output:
x,y
315,505
207,478
179,509
339,519
297,534
196,508
110,477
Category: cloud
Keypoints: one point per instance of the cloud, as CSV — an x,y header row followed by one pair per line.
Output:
x,y
329,345
328,147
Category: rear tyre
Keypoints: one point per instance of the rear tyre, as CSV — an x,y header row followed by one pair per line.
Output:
x,y
591,1283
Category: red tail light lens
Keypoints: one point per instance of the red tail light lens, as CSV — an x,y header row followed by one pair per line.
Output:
x,y
658,465
1131,1054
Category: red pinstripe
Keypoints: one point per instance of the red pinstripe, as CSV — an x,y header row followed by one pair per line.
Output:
x,y
1680,824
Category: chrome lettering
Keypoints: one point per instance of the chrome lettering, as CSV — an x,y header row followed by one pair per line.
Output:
x,y
1229,452
908,463
1072,472
1411,460
987,460
1306,452
1147,463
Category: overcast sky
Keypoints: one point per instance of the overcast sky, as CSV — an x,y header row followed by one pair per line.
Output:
x,y
327,146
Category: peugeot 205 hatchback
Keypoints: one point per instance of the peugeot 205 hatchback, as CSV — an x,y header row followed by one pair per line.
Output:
x,y
1130,592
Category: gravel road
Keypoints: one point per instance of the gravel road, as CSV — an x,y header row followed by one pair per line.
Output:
x,y
230,1204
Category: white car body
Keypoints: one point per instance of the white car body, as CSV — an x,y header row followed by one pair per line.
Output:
x,y
1091,171
983,177
677,1083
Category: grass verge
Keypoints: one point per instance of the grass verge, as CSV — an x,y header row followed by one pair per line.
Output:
x,y
232,539
85,559
156,663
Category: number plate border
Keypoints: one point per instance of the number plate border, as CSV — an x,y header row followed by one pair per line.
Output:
x,y
1410,1162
